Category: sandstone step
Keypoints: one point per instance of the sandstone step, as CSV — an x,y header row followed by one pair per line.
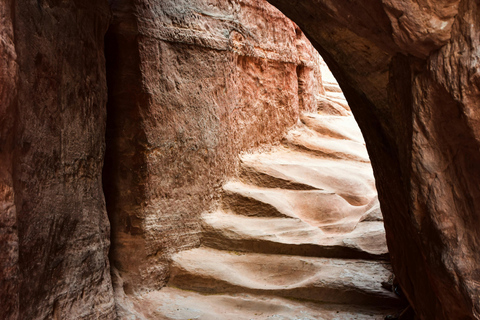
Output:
x,y
291,236
176,304
326,210
332,87
333,126
305,138
352,180
328,106
250,175
340,99
336,95
356,282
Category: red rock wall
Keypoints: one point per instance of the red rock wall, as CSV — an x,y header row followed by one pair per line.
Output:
x,y
54,229
410,72
9,277
191,84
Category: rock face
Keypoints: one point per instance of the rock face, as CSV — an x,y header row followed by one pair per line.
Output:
x,y
54,229
9,273
191,84
410,72
300,221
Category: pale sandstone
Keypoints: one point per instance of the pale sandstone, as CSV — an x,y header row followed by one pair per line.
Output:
x,y
171,303
231,231
344,281
419,116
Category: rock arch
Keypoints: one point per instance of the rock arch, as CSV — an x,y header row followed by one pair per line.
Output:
x,y
408,68
410,72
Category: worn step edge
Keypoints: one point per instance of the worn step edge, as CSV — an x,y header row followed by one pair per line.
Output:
x,y
328,106
334,126
330,87
247,205
250,175
227,231
303,139
224,272
326,210
172,303
320,174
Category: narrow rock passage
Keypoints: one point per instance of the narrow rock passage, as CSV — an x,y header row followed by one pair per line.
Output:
x,y
299,235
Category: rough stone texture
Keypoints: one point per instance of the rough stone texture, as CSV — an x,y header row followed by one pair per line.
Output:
x,y
171,303
54,230
191,84
409,70
300,221
342,281
8,215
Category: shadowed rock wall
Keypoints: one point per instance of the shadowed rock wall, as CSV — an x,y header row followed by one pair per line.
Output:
x,y
191,84
54,229
410,72
9,277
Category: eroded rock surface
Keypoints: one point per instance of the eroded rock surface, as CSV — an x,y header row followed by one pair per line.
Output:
x,y
408,68
301,222
410,72
9,275
191,84
54,230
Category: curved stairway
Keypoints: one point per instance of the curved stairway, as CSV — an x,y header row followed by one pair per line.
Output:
x,y
299,235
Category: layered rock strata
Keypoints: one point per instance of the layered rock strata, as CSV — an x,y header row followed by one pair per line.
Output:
x,y
408,69
410,72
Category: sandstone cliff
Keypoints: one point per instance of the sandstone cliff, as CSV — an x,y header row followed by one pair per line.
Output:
x,y
54,227
190,84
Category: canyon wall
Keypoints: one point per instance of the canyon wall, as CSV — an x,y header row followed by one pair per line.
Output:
x,y
410,72
9,277
191,84
54,229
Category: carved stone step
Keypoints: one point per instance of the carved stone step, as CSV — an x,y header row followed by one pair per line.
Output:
x,y
174,304
355,282
230,231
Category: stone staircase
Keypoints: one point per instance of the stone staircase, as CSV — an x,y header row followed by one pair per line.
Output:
x,y
298,235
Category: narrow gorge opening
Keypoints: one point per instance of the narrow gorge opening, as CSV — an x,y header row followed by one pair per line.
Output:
x,y
296,219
